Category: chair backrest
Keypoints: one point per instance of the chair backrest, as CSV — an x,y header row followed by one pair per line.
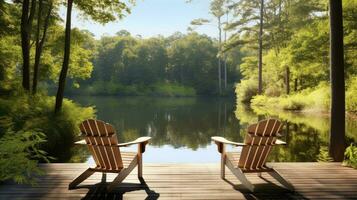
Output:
x,y
259,141
102,143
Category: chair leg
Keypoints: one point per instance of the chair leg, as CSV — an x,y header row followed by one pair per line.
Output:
x,y
80,178
140,166
243,179
223,166
260,175
104,177
122,175
281,180
240,175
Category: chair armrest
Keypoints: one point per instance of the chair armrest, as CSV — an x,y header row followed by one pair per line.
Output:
x,y
142,141
81,142
221,142
137,141
280,142
225,141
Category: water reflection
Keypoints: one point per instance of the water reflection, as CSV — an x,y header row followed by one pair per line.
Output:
x,y
181,128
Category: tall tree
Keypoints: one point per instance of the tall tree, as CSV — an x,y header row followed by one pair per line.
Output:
x,y
28,12
219,58
337,129
217,10
67,48
99,11
225,53
260,58
40,40
287,80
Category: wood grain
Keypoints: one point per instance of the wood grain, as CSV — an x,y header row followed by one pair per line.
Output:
x,y
192,181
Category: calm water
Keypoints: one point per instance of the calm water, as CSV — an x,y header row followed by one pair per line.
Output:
x,y
181,128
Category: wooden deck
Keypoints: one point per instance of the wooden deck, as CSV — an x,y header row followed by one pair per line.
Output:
x,y
193,181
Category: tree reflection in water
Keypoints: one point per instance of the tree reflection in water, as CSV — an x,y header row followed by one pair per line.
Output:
x,y
190,122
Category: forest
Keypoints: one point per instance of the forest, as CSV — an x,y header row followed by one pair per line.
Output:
x,y
294,54
273,54
178,65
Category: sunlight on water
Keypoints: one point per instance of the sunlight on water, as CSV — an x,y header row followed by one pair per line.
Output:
x,y
181,128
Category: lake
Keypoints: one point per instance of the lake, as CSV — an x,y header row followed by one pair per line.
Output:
x,y
181,128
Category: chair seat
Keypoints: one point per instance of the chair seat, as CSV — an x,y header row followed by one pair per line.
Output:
x,y
234,157
127,158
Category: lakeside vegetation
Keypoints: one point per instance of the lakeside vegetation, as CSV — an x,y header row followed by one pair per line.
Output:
x,y
296,73
34,51
30,132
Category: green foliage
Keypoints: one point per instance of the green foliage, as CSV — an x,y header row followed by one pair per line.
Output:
x,y
351,156
20,151
324,155
295,52
35,113
103,11
316,99
173,90
246,89
82,52
9,55
351,95
20,154
156,89
179,65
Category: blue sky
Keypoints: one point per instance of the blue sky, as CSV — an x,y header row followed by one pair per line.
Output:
x,y
151,18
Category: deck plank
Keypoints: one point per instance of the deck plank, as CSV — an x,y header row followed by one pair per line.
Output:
x,y
192,181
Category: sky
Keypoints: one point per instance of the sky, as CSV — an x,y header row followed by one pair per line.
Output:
x,y
151,18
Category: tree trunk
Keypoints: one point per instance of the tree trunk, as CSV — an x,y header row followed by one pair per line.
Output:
x,y
181,74
301,83
337,129
287,80
225,58
225,72
64,70
40,42
219,59
295,85
26,23
260,58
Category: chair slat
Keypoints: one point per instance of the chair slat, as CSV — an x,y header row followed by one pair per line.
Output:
x,y
259,141
102,143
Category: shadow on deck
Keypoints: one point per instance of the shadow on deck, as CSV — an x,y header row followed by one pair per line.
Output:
x,y
192,181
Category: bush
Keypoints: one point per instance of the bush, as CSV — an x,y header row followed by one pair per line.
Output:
x,y
246,89
351,96
324,156
157,89
351,156
24,115
19,155
273,91
261,100
295,102
172,90
317,99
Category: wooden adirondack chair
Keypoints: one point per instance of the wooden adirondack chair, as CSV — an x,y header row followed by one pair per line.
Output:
x,y
257,145
103,144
